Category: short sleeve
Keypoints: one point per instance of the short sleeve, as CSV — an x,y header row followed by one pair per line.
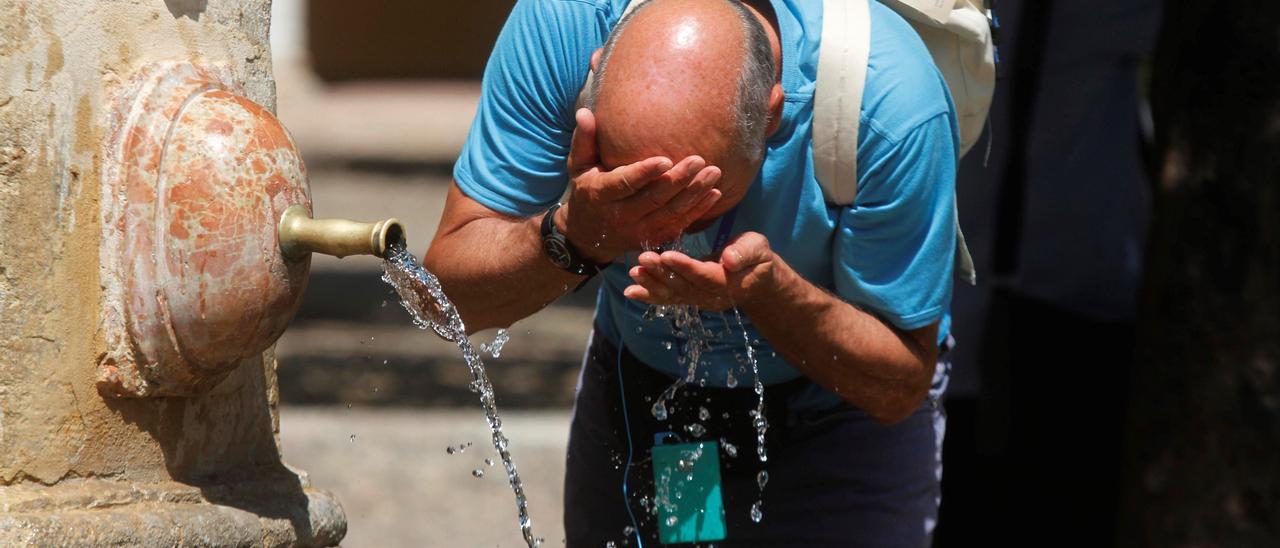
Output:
x,y
895,247
513,160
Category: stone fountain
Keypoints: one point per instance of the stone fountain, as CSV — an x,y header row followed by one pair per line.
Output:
x,y
144,189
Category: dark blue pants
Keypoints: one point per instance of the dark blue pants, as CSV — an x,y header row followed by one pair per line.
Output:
x,y
836,477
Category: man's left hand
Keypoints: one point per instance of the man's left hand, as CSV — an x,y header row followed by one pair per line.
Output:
x,y
744,272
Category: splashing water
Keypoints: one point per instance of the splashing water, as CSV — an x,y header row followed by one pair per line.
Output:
x,y
757,414
729,449
422,296
495,348
758,419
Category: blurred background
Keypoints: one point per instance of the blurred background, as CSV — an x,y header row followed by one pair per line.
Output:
x,y
379,98
1115,381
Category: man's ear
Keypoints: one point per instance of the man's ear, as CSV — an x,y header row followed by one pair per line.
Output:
x,y
595,58
776,99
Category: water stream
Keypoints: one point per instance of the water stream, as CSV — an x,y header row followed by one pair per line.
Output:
x,y
422,296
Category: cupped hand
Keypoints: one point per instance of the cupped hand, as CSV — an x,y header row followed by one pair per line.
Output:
x,y
611,212
743,273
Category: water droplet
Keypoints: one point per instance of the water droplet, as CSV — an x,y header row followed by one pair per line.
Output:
x,y
671,520
353,438
668,345
375,390
660,410
696,430
703,414
725,415
756,514
639,330
449,449
348,407
384,362
477,473
730,380
762,477
730,449
610,544
488,462
384,303
628,530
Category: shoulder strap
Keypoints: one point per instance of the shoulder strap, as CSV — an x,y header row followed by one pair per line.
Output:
x,y
837,99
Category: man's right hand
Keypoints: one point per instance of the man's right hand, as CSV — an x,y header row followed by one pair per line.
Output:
x,y
651,201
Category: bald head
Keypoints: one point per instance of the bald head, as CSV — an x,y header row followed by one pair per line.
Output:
x,y
683,77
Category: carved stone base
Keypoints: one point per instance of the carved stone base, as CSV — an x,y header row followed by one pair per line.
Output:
x,y
281,511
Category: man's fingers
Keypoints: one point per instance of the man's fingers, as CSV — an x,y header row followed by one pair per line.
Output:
x,y
652,264
668,186
640,293
706,275
747,250
582,149
703,206
655,287
678,209
626,181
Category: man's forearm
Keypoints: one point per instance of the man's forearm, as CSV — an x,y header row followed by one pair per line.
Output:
x,y
883,370
493,268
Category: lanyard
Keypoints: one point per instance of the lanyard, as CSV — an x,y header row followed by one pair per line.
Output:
x,y
726,227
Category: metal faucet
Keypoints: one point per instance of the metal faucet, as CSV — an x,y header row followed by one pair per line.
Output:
x,y
300,235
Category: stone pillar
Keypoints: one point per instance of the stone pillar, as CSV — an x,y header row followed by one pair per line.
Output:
x,y
85,457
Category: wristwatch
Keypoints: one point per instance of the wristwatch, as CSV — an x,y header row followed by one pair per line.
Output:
x,y
561,252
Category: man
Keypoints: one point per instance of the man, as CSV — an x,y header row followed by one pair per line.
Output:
x,y
699,123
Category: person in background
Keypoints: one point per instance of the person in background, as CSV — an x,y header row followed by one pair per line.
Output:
x,y
1056,214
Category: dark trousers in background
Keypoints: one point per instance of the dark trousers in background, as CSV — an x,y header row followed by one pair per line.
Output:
x,y
1036,459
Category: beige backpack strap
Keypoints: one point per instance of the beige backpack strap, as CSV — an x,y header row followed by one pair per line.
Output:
x,y
837,100
591,74
837,97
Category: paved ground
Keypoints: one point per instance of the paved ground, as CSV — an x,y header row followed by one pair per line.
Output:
x,y
400,488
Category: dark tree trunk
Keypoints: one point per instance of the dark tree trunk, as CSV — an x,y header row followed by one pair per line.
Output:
x,y
1203,462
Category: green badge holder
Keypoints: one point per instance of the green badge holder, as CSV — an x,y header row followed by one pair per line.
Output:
x,y
686,480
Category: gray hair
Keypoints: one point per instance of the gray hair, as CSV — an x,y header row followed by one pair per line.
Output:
x,y
755,78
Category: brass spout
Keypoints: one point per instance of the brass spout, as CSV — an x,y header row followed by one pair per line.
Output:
x,y
300,235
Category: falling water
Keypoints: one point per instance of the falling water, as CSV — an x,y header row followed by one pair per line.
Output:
x,y
422,296
757,418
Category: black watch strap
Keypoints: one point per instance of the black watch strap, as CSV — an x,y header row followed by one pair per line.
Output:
x,y
562,253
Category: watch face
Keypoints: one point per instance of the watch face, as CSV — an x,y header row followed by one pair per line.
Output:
x,y
558,252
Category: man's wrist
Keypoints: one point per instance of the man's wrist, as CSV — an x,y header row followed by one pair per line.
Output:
x,y
592,251
562,252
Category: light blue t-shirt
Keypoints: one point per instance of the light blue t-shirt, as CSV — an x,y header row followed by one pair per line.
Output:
x,y
890,254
